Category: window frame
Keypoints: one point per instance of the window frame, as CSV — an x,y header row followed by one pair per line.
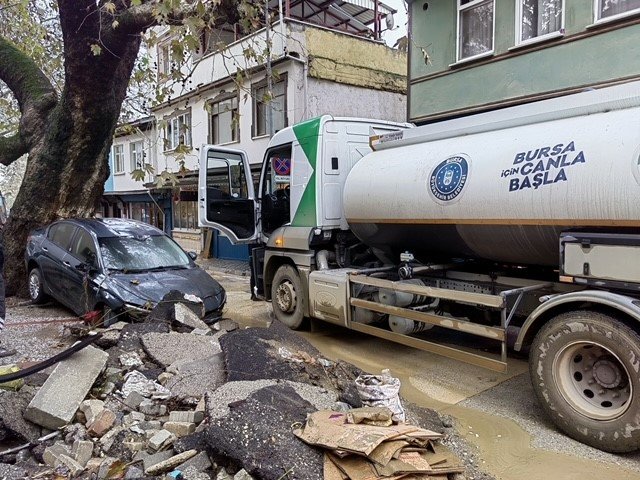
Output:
x,y
133,155
539,38
254,105
459,10
55,227
168,138
74,243
234,128
618,16
117,155
164,60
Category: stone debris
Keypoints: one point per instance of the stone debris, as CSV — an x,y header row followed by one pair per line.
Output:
x,y
161,439
82,451
186,416
58,399
170,463
91,409
133,399
180,429
138,382
168,348
185,316
224,400
149,407
102,423
131,360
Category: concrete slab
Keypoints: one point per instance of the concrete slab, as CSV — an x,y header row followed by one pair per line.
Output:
x,y
168,348
58,399
185,316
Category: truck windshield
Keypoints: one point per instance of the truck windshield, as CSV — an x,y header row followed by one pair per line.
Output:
x,y
142,253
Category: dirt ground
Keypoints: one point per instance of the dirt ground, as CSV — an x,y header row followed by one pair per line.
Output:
x,y
497,413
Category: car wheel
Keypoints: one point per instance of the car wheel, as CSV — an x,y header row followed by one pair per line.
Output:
x,y
287,297
584,370
36,287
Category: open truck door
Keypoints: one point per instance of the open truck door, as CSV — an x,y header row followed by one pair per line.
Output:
x,y
227,198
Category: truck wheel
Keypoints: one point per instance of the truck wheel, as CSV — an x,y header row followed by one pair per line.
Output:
x,y
584,370
287,297
36,287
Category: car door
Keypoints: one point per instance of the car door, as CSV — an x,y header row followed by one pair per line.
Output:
x,y
55,249
227,200
79,288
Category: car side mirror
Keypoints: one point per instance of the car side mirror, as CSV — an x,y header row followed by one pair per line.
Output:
x,y
192,255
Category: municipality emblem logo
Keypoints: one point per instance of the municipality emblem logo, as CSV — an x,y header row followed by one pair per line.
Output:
x,y
448,178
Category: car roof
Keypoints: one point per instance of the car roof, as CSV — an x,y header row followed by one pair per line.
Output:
x,y
116,227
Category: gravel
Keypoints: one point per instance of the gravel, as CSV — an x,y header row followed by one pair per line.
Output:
x,y
35,342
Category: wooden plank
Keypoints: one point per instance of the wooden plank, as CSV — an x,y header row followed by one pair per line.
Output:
x,y
472,358
446,322
495,301
208,238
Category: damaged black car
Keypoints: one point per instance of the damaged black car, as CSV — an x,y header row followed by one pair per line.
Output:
x,y
116,268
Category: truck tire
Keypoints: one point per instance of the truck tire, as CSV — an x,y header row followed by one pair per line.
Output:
x,y
584,370
287,297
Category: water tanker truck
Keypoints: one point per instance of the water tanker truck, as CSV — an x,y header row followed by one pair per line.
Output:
x,y
517,228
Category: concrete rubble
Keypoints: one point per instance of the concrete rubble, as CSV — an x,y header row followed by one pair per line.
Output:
x,y
187,401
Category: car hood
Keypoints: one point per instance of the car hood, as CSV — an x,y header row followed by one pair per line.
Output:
x,y
153,286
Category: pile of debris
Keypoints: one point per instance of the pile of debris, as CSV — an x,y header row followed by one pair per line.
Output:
x,y
174,398
366,444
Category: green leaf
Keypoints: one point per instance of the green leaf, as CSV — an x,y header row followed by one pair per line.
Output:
x,y
96,49
110,7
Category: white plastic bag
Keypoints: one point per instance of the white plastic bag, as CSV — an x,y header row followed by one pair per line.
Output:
x,y
381,391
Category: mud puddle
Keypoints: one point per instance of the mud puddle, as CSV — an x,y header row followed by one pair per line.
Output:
x,y
504,447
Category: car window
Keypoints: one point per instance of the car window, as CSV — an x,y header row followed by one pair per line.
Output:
x,y
62,235
142,253
83,247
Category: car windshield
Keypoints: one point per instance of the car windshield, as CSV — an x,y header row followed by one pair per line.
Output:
x,y
142,253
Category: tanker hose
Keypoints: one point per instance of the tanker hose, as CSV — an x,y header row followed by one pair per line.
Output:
x,y
322,259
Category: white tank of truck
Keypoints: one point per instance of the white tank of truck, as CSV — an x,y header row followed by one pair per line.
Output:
x,y
503,185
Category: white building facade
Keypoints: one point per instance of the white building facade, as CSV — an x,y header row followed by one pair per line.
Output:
x,y
229,99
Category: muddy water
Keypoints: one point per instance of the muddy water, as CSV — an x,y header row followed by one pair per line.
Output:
x,y
504,447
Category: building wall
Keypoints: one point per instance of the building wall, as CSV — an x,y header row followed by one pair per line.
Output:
x,y
350,101
587,54
123,182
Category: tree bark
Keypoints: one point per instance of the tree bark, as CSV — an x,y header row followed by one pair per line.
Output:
x,y
68,155
68,139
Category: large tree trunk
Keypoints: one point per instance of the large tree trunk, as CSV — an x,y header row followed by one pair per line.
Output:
x,y
68,139
68,153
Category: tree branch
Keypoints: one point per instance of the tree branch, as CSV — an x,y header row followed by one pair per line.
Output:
x,y
11,149
139,18
28,83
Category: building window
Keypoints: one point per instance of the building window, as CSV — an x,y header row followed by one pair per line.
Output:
x,y
475,28
136,155
164,60
148,212
614,8
185,210
261,103
539,18
177,132
223,121
118,159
